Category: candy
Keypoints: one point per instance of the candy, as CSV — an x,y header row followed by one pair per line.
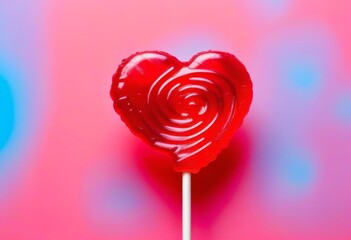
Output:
x,y
188,109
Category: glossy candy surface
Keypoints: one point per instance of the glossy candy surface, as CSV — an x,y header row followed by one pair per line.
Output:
x,y
188,109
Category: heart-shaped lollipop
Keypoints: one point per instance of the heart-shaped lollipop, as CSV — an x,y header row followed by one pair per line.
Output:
x,y
188,109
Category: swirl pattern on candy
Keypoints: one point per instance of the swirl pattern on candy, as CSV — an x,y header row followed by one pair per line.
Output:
x,y
188,109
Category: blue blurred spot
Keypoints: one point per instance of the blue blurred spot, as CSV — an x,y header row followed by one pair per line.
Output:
x,y
7,113
276,4
343,108
303,75
121,197
185,47
297,169
302,59
268,9
123,200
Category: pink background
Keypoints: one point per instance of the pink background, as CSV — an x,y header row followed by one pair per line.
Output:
x,y
70,169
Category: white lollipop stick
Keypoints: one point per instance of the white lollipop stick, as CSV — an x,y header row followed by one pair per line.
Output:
x,y
186,189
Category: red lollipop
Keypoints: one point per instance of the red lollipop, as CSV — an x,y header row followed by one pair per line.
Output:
x,y
189,109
